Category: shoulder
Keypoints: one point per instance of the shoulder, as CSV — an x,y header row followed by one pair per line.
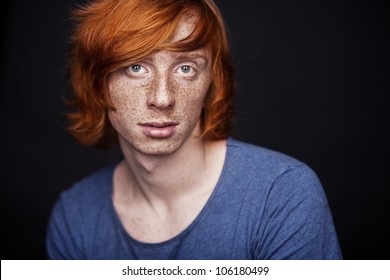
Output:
x,y
270,171
248,151
259,159
82,203
95,183
288,206
77,214
90,192
277,183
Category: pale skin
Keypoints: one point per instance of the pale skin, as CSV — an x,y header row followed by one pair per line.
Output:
x,y
168,172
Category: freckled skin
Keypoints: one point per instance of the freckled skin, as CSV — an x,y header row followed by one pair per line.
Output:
x,y
162,91
169,172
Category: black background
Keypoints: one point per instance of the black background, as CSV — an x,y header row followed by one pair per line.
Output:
x,y
313,82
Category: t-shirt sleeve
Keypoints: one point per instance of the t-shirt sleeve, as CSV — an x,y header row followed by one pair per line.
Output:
x,y
297,222
63,239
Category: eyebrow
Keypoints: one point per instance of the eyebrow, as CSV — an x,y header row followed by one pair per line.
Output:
x,y
184,56
192,55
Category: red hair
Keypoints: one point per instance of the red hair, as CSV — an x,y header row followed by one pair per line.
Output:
x,y
112,34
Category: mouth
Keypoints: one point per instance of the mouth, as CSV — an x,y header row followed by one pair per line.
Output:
x,y
158,124
158,130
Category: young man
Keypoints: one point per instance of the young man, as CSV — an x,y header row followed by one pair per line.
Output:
x,y
156,76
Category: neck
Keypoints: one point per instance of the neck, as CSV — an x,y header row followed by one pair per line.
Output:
x,y
164,177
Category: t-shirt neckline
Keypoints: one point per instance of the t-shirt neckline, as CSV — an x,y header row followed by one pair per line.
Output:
x,y
202,214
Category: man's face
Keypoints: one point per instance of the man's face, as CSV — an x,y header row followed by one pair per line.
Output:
x,y
159,100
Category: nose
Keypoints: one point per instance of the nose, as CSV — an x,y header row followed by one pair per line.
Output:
x,y
161,96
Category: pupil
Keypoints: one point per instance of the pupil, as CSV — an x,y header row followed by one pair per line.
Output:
x,y
185,69
136,68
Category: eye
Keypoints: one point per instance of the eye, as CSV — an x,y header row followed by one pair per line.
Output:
x,y
136,70
186,70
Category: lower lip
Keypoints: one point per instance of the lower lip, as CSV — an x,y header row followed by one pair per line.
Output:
x,y
159,132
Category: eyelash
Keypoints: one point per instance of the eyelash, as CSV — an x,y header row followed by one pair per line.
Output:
x,y
131,68
191,70
138,70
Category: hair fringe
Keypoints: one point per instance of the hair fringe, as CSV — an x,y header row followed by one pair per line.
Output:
x,y
111,34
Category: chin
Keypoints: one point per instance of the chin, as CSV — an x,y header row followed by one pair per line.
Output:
x,y
158,147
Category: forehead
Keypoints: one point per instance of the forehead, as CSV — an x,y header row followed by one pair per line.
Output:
x,y
186,26
184,29
200,56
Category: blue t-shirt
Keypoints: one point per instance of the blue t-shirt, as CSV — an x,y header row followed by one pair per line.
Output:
x,y
265,205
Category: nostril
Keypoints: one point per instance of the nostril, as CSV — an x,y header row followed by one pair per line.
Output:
x,y
161,106
161,101
161,93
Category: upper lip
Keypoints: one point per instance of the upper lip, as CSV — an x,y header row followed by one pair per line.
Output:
x,y
159,124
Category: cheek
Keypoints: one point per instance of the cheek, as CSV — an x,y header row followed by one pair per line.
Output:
x,y
192,98
188,95
123,94
126,100
189,103
126,96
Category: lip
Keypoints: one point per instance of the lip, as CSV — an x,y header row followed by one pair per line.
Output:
x,y
158,130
